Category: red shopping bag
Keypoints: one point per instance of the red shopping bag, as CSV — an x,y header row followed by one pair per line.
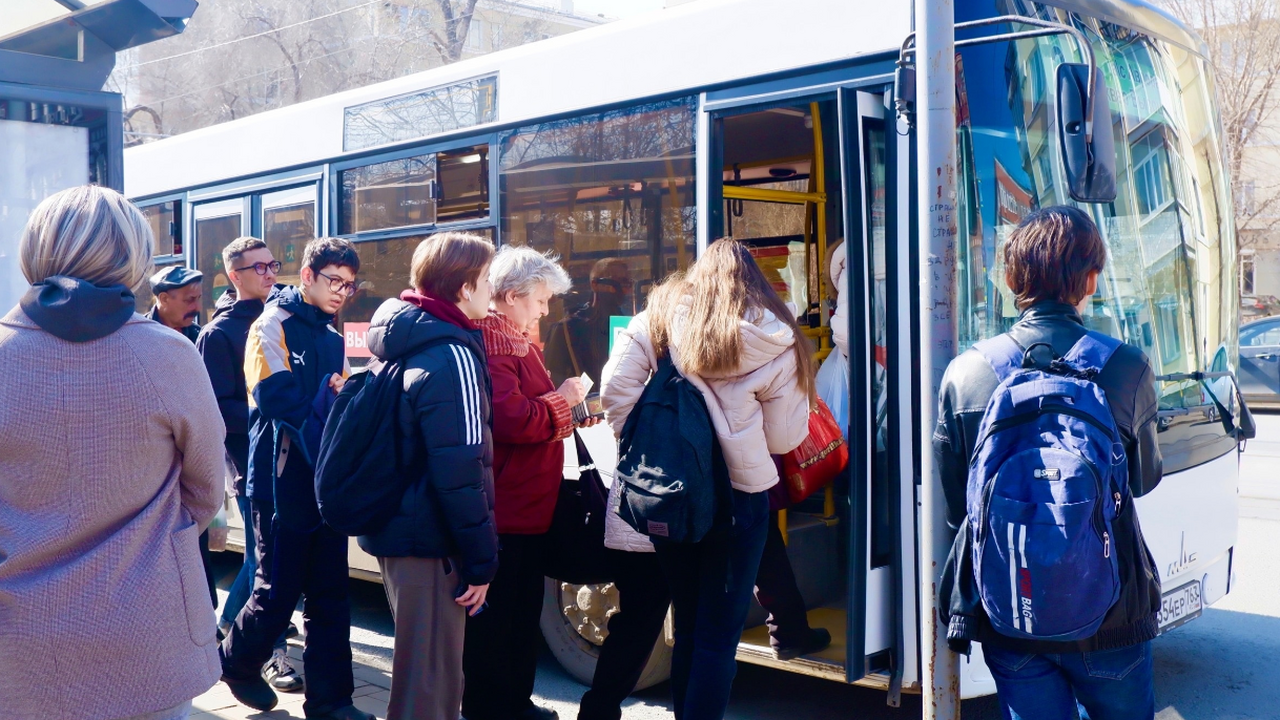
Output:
x,y
819,459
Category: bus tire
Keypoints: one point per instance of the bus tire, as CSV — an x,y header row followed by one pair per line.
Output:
x,y
576,653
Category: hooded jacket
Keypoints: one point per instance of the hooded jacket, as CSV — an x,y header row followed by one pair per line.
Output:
x,y
530,421
1129,384
221,344
757,409
110,466
445,413
291,352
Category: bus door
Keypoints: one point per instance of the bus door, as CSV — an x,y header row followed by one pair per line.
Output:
x,y
881,597
793,180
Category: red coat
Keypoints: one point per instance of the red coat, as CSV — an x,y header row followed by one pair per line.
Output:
x,y
530,422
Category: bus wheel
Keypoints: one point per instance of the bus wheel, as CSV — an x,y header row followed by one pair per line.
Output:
x,y
575,620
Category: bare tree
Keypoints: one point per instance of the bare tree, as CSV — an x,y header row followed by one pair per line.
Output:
x,y
1243,39
452,38
241,57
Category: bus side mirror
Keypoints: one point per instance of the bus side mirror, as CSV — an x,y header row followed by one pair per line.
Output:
x,y
1090,164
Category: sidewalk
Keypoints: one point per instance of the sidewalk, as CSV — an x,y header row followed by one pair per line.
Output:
x,y
372,695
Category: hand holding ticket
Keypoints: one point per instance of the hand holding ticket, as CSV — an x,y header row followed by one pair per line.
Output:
x,y
589,409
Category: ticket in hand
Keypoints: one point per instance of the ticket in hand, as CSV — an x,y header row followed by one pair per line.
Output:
x,y
590,407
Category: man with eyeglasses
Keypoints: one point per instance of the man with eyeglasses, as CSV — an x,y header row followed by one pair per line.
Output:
x,y
252,271
294,366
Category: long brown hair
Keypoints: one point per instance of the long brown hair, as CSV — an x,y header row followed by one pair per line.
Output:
x,y
725,285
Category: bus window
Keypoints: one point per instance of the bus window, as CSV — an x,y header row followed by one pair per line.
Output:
x,y
217,224
384,274
612,195
391,194
464,184
165,220
288,224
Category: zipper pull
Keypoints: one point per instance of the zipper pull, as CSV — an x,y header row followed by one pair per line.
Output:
x,y
1106,545
1117,503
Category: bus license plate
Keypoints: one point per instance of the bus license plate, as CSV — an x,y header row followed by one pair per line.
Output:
x,y
1180,605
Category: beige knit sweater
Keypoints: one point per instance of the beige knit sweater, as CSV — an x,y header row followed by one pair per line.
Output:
x,y
110,466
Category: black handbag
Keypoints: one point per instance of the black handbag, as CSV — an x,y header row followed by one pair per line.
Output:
x,y
576,552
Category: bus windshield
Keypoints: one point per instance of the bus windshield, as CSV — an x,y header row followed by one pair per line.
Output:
x,y
1169,285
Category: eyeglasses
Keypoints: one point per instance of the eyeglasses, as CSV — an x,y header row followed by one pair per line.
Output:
x,y
261,268
338,285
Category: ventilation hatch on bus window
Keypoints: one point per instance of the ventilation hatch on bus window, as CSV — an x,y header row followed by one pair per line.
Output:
x,y
436,110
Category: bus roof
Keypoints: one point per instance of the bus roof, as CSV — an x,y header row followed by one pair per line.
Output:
x,y
680,49
691,46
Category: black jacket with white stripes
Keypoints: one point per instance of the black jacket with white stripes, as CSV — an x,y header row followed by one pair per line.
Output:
x,y
445,413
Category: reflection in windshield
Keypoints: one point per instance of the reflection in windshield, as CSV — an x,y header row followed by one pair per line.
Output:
x,y
1166,288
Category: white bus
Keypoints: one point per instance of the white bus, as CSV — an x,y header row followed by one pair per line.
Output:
x,y
628,147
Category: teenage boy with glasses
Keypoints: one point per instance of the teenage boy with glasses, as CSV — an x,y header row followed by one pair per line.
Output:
x,y
252,271
294,366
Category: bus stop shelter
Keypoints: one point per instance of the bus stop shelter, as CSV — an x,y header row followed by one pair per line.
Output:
x,y
58,128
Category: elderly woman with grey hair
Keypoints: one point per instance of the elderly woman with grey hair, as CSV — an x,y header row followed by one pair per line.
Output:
x,y
531,419
110,467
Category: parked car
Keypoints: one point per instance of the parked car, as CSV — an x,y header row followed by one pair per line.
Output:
x,y
1260,363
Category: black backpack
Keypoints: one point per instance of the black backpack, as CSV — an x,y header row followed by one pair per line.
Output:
x,y
359,482
675,485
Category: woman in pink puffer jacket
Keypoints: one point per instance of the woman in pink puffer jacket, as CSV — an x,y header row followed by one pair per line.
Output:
x,y
733,338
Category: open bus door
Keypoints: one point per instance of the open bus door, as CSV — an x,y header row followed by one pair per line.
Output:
x,y
792,180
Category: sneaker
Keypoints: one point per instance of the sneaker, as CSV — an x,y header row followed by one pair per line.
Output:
x,y
817,639
350,712
281,674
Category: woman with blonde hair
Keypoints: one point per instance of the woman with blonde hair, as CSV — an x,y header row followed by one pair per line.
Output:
x,y
111,465
730,335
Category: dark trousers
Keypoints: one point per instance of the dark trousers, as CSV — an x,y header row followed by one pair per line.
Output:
x,y
500,651
711,584
292,564
207,559
643,599
776,591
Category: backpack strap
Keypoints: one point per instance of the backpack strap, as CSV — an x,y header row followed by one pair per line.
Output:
x,y
1092,351
1003,353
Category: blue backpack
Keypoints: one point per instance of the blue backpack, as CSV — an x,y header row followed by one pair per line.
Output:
x,y
1047,478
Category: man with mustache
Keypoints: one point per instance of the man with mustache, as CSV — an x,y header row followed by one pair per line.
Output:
x,y
178,294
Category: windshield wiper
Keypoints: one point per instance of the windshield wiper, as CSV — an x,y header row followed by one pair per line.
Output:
x,y
1243,428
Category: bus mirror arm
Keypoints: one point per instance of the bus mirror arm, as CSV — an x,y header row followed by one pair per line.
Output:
x,y
1089,158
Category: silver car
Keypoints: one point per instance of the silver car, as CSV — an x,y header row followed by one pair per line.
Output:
x,y
1260,363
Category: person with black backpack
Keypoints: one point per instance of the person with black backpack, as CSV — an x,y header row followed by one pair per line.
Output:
x,y
713,377
1045,436
438,550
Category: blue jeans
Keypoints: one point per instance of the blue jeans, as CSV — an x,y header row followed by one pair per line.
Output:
x,y
711,584
1108,685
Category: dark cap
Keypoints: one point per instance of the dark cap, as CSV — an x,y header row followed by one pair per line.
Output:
x,y
172,278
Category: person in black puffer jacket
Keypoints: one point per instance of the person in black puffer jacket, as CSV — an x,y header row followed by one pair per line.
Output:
x,y
440,551
1052,262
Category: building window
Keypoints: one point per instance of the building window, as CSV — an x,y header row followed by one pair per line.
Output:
x,y
1248,274
475,35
